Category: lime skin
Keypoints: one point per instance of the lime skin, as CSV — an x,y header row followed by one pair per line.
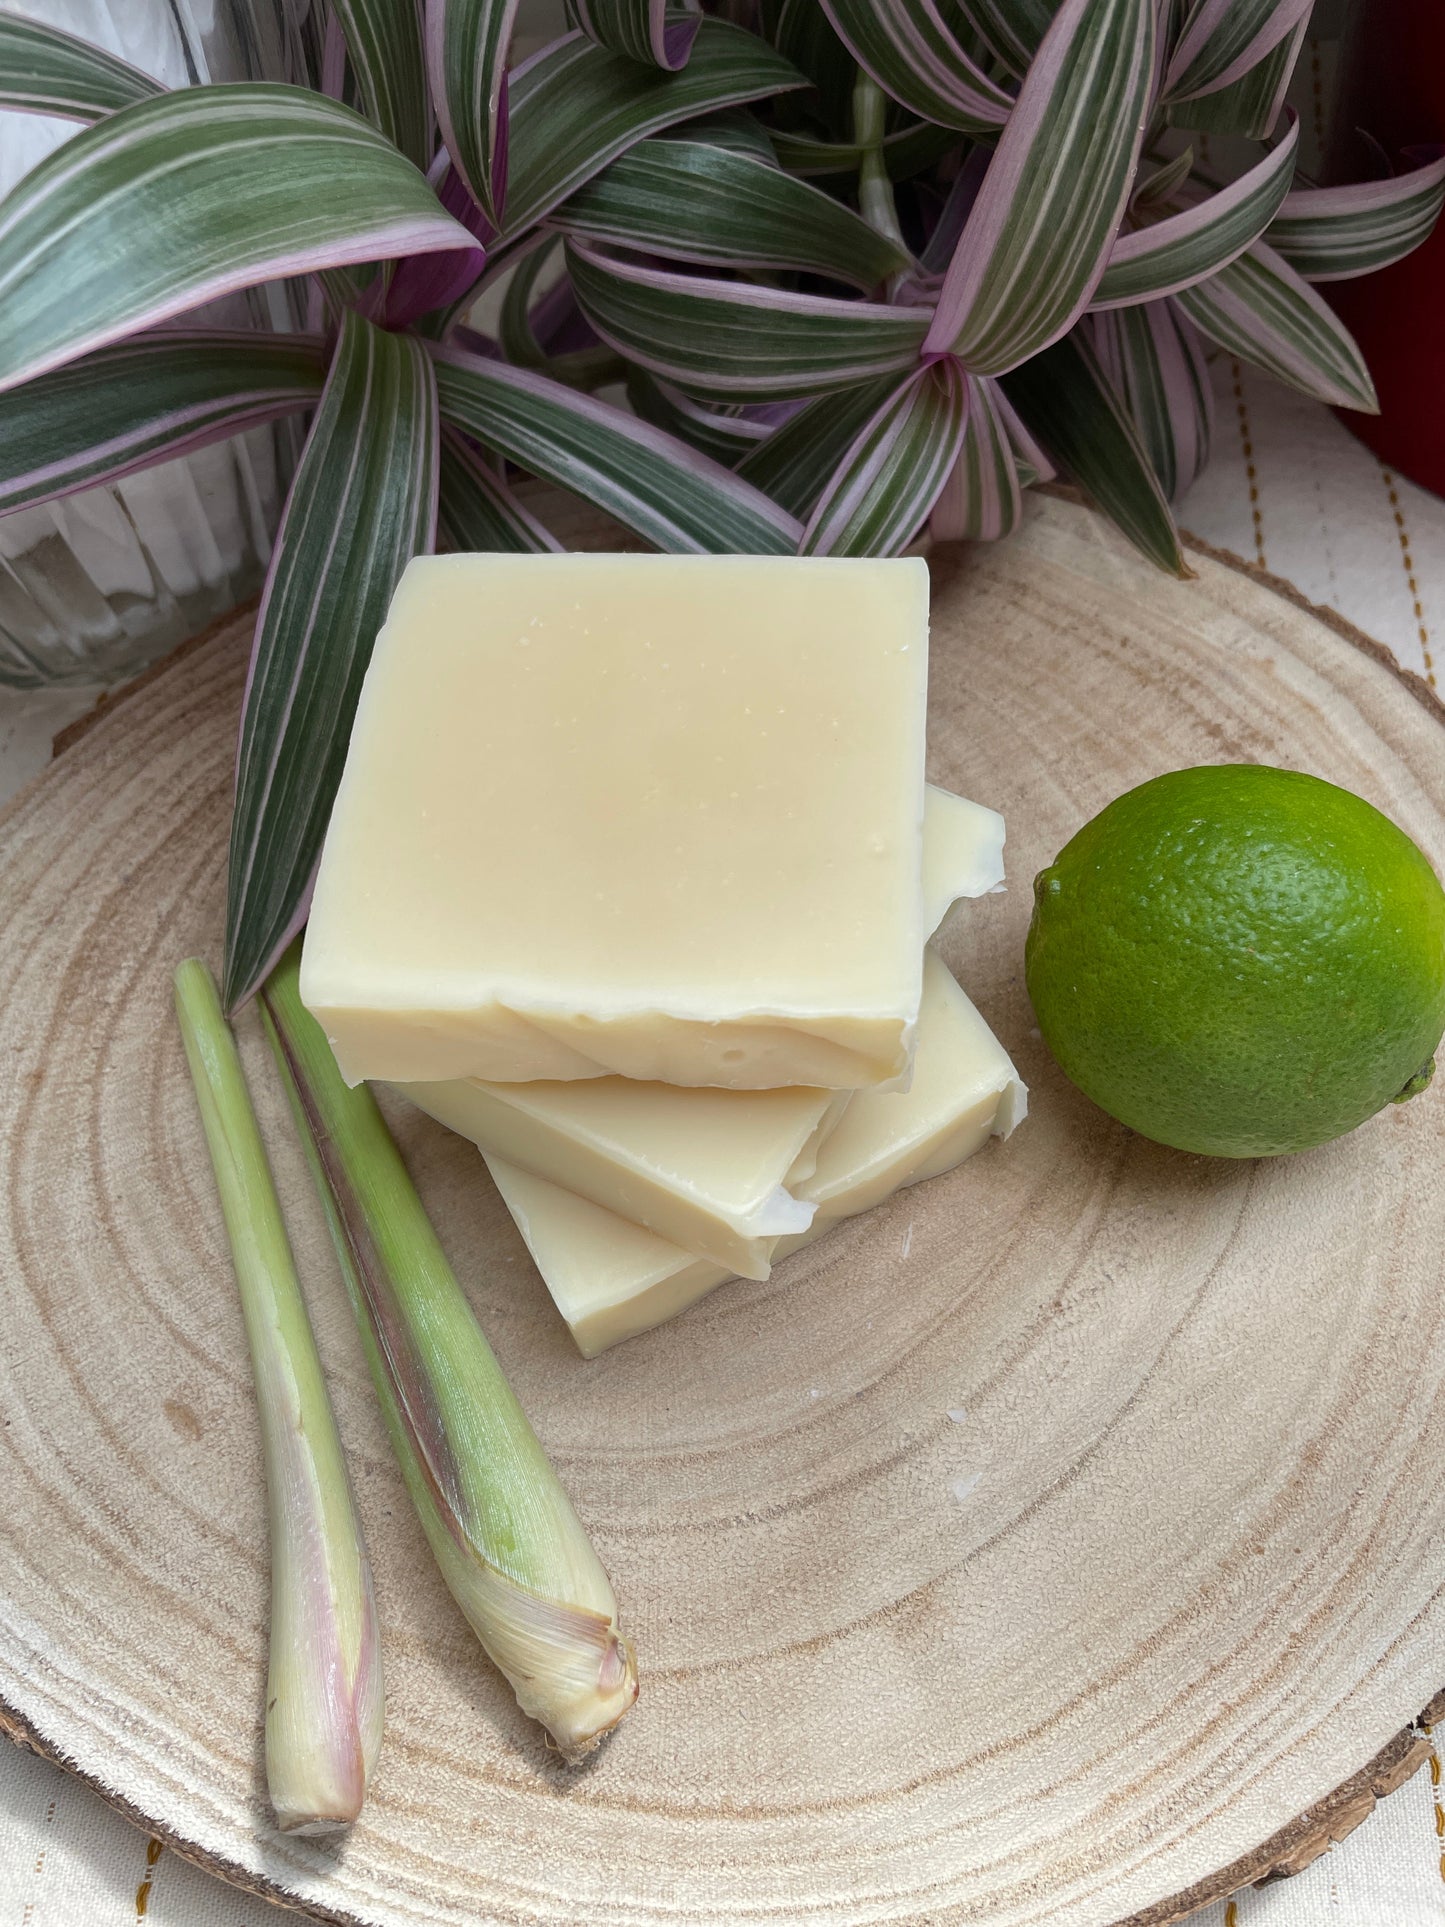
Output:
x,y
1240,961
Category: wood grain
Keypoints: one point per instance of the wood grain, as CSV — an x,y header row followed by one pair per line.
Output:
x,y
1197,1584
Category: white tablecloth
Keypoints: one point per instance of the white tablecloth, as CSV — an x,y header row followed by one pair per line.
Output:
x,y
1288,488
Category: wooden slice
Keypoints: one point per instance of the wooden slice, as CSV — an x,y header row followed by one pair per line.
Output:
x,y
1032,1550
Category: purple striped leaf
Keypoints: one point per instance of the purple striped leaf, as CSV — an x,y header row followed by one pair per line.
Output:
x,y
144,401
422,283
466,61
1221,40
1158,188
575,107
476,511
1197,241
909,152
362,504
797,461
889,479
1155,363
1034,464
733,341
1248,108
907,47
1068,402
383,42
1333,233
192,195
982,498
45,71
1010,29
724,433
1259,309
648,31
1038,237
674,497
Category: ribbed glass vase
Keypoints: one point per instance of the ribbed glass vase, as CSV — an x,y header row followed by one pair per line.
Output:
x,y
96,585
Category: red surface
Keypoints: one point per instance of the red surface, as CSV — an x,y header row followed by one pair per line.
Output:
x,y
1395,88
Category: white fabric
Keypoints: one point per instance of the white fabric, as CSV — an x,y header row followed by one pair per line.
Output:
x,y
1288,487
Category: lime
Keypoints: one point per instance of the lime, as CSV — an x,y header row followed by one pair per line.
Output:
x,y
1240,960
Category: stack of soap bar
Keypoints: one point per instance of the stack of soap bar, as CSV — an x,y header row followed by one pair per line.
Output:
x,y
628,880
653,815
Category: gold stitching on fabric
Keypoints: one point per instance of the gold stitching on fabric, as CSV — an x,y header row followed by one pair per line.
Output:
x,y
1409,561
1246,444
154,1850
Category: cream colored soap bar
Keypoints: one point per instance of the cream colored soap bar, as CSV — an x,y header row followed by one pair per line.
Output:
x,y
711,1170
610,1279
644,814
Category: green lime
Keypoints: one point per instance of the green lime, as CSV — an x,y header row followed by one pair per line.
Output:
x,y
1240,960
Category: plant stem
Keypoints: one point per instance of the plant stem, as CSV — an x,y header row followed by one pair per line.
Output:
x,y
875,189
324,1694
510,1546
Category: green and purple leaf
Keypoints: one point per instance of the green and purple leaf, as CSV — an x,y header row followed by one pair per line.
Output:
x,y
422,283
647,31
1037,238
144,401
1333,233
45,71
1010,29
477,512
733,341
177,200
674,497
908,152
383,43
466,60
796,462
1197,241
907,47
1259,309
1067,401
725,434
891,475
1250,107
1155,363
982,496
575,107
1223,40
363,503
707,204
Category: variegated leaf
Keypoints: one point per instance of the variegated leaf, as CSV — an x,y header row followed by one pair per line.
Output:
x,y
889,479
476,511
144,401
362,504
805,35
1033,464
1038,236
1259,309
1333,233
1010,29
725,434
466,45
514,323
675,498
1248,108
732,341
1221,40
706,204
180,199
575,107
1156,365
383,42
45,71
1199,240
1159,186
648,31
1068,402
907,47
794,464
736,130
982,499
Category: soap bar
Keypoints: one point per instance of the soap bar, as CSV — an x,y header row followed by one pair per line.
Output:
x,y
610,1279
709,1169
651,815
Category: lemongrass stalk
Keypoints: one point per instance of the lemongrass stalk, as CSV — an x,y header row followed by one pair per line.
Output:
x,y
324,1691
512,1550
